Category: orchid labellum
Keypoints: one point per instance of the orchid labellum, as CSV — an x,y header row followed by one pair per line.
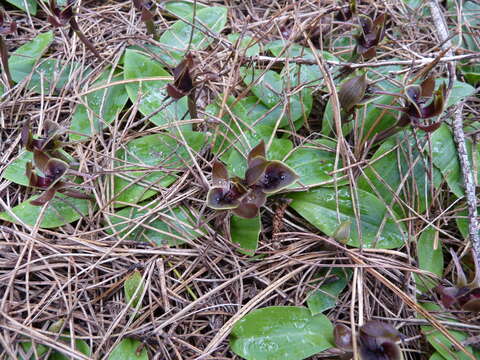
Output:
x,y
376,340
246,196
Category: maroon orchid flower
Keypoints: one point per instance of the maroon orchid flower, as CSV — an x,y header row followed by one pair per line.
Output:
x,y
49,142
182,79
246,196
463,295
66,16
376,340
372,33
146,15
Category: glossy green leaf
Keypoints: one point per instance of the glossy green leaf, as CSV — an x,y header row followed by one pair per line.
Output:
x,y
244,44
312,163
182,8
133,288
245,232
285,48
445,158
281,332
153,93
319,207
256,113
23,60
429,259
149,153
436,356
52,75
29,6
391,165
15,171
60,210
40,349
326,297
271,89
101,107
167,227
440,343
373,119
459,91
129,349
175,41
80,346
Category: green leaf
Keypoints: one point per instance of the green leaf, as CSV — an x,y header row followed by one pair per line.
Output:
x,y
151,152
319,207
167,227
459,92
80,345
15,171
326,296
271,88
182,9
255,113
445,158
312,163
60,210
281,332
440,343
133,288
245,232
285,48
429,259
153,93
23,60
40,349
101,109
391,165
51,75
128,349
175,41
248,45
29,6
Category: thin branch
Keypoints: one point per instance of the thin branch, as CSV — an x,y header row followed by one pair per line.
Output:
x,y
459,136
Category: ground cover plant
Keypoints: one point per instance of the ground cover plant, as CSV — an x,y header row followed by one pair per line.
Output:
x,y
239,179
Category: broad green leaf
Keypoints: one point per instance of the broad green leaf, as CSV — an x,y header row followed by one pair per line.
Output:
x,y
101,109
153,95
429,259
326,297
29,6
245,44
285,48
373,119
166,227
390,170
15,171
40,349
52,75
313,163
149,153
459,92
80,346
129,349
175,41
133,288
258,114
272,90
436,356
281,332
440,343
23,60
319,207
60,210
182,8
445,158
245,232
343,46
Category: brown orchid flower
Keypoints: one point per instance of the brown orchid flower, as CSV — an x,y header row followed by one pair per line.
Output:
x,y
376,340
463,295
66,16
371,34
246,196
146,15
